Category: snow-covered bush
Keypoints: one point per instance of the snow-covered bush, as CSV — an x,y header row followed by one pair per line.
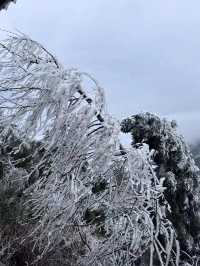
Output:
x,y
83,198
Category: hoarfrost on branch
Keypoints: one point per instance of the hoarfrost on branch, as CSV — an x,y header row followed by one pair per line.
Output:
x,y
90,190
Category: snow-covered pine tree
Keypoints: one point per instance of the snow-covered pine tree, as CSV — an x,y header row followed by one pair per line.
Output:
x,y
182,179
76,196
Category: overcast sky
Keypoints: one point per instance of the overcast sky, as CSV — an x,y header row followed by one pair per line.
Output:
x,y
145,53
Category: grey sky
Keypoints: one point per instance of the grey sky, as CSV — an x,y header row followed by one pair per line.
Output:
x,y
145,53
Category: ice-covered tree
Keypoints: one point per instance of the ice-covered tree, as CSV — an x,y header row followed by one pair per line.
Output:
x,y
195,148
5,3
78,197
182,179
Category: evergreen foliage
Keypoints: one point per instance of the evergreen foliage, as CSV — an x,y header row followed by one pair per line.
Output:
x,y
181,176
